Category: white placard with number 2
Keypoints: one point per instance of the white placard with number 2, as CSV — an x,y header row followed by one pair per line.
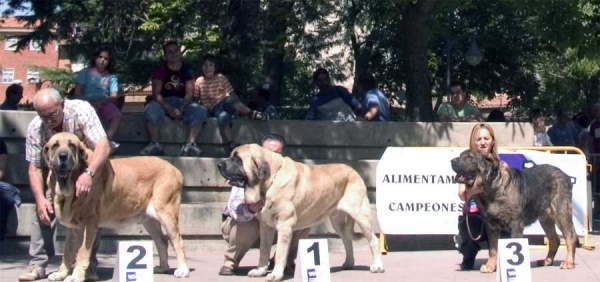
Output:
x,y
313,255
135,261
514,263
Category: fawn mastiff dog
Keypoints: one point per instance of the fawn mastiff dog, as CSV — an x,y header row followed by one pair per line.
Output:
x,y
510,199
125,190
297,196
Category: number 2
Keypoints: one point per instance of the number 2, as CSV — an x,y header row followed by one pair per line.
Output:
x,y
134,262
516,252
315,247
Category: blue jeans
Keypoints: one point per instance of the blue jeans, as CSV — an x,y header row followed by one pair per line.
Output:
x,y
224,111
192,113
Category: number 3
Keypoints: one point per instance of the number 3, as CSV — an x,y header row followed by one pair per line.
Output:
x,y
516,252
134,262
315,247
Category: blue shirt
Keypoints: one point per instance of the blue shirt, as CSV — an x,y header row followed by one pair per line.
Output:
x,y
374,97
324,97
563,135
96,86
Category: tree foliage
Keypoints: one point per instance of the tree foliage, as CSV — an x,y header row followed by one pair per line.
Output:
x,y
539,52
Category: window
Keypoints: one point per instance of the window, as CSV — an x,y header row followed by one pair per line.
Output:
x,y
8,76
34,45
33,75
10,43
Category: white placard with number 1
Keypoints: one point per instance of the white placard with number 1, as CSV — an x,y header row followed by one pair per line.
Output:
x,y
514,264
313,255
135,262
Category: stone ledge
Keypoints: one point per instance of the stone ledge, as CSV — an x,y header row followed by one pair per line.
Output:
x,y
199,219
197,172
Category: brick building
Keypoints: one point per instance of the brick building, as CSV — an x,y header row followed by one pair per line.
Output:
x,y
17,66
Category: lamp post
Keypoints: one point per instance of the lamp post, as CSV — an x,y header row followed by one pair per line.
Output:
x,y
473,56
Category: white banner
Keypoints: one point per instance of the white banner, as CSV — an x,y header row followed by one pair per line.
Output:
x,y
416,192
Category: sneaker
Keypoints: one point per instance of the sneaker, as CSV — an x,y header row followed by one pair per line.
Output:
x,y
153,149
457,241
34,272
226,271
190,150
259,115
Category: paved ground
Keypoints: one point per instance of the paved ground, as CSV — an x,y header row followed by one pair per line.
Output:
x,y
400,266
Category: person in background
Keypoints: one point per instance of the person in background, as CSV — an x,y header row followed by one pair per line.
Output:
x,y
98,85
584,140
538,120
173,92
496,116
332,102
459,108
261,103
563,133
14,94
375,106
9,194
218,97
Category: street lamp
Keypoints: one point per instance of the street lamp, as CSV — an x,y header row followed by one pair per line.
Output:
x,y
473,55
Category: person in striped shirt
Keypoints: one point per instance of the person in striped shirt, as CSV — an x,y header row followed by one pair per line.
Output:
x,y
218,97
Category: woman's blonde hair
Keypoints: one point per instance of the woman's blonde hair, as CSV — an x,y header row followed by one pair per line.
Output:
x,y
475,134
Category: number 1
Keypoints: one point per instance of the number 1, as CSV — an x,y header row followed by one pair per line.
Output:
x,y
315,247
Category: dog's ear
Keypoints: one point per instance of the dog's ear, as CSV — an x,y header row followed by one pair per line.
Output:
x,y
261,168
47,153
84,153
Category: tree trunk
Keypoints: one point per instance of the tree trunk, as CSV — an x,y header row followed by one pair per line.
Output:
x,y
275,37
416,23
240,42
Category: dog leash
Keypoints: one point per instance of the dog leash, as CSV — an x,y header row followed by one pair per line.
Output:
x,y
469,229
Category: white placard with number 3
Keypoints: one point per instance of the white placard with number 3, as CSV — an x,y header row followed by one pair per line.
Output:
x,y
514,263
313,255
135,261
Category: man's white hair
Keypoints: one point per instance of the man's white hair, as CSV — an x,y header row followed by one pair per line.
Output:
x,y
51,92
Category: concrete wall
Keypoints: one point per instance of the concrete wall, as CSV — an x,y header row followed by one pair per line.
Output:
x,y
359,144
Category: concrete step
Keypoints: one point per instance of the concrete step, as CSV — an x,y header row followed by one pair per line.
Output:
x,y
195,220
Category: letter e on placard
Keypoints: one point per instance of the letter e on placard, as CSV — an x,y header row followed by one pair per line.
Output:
x,y
313,255
514,263
135,261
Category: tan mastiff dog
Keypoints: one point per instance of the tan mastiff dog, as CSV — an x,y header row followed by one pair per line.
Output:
x,y
124,191
299,196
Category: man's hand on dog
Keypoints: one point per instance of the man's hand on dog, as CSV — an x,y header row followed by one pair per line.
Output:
x,y
83,184
44,209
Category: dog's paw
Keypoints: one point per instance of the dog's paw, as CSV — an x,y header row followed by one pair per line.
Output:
x,y
487,269
377,268
348,264
273,277
567,265
58,276
258,272
72,278
544,262
161,270
182,272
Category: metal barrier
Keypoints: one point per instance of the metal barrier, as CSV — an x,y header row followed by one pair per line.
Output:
x,y
593,167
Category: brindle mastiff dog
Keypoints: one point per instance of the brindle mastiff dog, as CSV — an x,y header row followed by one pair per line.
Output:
x,y
299,196
125,190
510,199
